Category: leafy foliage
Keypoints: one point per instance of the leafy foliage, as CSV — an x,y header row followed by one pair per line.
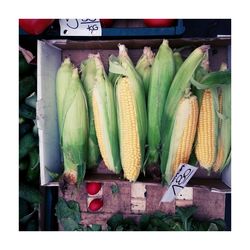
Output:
x,y
69,215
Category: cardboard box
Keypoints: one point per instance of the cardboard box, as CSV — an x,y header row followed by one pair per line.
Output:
x,y
50,55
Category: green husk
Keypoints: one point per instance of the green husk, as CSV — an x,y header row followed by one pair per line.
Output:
x,y
88,68
103,91
63,77
144,66
75,128
124,67
180,83
225,131
162,74
177,60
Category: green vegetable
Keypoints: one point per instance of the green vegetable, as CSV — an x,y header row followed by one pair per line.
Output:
x,y
68,214
24,208
27,111
24,128
33,170
29,194
31,100
24,67
74,131
35,129
26,87
32,225
26,143
24,163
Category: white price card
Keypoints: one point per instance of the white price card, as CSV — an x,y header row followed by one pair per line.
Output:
x,y
80,27
178,182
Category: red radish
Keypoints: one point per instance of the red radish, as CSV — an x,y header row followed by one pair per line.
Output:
x,y
95,205
106,22
93,187
159,22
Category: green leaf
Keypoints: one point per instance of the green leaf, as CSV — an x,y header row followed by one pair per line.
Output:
x,y
212,227
81,170
129,224
217,78
114,221
69,224
29,194
96,227
27,217
75,210
115,66
115,189
54,175
119,228
158,214
219,223
185,212
144,221
70,209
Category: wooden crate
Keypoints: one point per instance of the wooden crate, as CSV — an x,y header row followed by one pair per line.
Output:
x,y
135,199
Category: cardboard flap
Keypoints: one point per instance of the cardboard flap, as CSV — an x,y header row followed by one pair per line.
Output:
x,y
49,60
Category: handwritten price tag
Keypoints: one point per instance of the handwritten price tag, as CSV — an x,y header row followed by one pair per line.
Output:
x,y
80,27
178,182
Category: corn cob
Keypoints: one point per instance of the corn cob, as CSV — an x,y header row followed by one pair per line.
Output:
x,y
206,145
143,67
63,78
180,83
105,119
88,77
224,138
162,73
177,60
75,131
131,113
183,135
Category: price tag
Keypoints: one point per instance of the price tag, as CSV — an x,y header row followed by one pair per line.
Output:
x,y
80,27
178,182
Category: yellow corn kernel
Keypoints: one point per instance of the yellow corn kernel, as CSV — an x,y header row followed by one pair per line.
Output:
x,y
129,137
205,149
99,132
220,156
188,134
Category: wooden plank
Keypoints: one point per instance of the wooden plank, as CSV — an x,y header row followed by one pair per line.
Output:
x,y
154,194
210,205
119,201
184,203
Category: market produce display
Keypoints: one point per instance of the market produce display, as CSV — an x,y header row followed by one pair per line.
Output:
x,y
29,164
158,112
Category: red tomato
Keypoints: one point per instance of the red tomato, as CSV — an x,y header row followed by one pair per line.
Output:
x,y
159,22
106,22
95,204
35,26
93,187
